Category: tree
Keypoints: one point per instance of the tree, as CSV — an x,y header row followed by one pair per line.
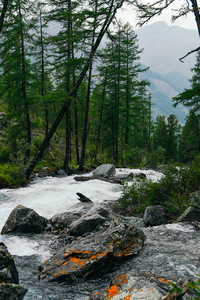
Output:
x,y
191,97
110,10
172,137
16,68
190,138
160,133
125,95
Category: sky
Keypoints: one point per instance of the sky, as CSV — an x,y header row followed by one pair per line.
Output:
x,y
127,14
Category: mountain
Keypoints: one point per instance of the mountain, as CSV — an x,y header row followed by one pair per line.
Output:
x,y
163,46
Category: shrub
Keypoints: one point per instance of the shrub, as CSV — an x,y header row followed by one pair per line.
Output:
x,y
172,191
11,176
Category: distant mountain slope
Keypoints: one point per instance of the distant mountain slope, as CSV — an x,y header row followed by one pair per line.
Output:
x,y
163,46
163,91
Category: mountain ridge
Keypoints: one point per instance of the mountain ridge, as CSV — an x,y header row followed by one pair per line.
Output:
x,y
163,46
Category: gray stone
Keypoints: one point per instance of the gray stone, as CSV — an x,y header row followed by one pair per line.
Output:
x,y
154,215
61,173
24,220
45,172
11,291
85,224
61,221
104,170
9,280
101,209
191,214
170,254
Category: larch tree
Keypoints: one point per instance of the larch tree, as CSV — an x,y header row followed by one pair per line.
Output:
x,y
15,66
110,10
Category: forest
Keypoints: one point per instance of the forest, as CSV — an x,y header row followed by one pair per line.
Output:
x,y
76,98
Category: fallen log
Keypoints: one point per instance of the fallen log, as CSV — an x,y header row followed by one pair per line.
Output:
x,y
87,178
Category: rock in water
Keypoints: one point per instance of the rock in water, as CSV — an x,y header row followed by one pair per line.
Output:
x,y
24,220
154,215
104,170
83,198
9,281
93,254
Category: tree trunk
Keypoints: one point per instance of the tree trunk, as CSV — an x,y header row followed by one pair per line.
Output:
x,y
101,115
3,13
196,13
106,24
28,122
42,77
85,129
68,113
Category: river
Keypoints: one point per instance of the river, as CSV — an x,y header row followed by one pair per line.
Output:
x,y
50,196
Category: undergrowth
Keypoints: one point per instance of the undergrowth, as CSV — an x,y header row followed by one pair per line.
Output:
x,y
11,176
173,191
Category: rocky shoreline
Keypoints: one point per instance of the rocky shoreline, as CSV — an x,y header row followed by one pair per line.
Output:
x,y
142,257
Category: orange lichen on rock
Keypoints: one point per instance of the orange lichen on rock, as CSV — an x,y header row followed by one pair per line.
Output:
x,y
163,280
112,291
138,244
120,279
126,251
77,261
127,297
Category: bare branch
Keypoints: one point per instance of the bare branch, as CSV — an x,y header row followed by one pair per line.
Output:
x,y
195,50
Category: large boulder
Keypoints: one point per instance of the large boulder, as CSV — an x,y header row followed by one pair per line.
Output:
x,y
104,170
86,224
9,281
154,215
97,215
63,220
24,220
93,254
45,172
170,255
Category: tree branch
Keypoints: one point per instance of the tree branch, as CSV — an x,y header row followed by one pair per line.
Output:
x,y
192,51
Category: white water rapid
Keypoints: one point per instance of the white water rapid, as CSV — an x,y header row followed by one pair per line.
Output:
x,y
50,196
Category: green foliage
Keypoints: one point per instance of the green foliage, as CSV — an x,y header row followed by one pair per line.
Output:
x,y
172,191
4,155
156,157
11,176
193,286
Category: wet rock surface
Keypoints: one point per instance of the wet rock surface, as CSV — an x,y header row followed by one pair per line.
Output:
x,y
104,170
154,215
24,220
169,254
9,280
94,254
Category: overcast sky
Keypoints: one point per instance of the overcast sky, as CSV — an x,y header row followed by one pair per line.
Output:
x,y
129,15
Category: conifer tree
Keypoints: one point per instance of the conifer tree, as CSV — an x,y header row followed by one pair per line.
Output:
x,y
16,69
126,95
